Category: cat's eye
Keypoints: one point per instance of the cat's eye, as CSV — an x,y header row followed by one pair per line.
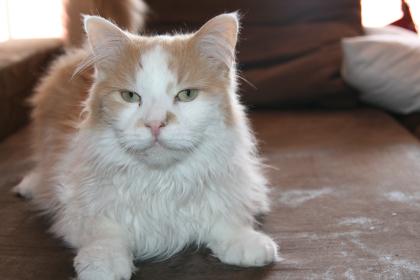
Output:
x,y
130,97
187,95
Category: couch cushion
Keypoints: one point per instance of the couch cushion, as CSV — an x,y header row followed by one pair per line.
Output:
x,y
345,205
289,49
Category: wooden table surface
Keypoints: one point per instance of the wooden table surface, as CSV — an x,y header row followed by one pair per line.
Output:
x,y
345,205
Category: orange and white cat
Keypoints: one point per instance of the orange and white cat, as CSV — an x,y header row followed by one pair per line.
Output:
x,y
146,149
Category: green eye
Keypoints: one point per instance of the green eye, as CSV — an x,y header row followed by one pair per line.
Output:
x,y
130,97
187,95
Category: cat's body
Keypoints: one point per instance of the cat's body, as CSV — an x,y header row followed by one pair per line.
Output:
x,y
129,168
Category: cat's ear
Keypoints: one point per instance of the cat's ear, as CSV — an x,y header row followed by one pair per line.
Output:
x,y
105,38
217,38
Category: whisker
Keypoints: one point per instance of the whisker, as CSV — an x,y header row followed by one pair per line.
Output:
x,y
246,81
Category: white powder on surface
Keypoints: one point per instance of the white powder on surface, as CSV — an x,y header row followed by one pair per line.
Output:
x,y
349,275
297,197
411,199
361,221
394,267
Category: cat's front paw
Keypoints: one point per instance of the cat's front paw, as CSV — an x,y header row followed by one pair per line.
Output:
x,y
102,264
252,248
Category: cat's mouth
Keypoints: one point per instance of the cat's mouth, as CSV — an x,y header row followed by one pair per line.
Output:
x,y
160,144
155,145
139,146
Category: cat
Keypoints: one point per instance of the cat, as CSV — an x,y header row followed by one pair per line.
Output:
x,y
143,148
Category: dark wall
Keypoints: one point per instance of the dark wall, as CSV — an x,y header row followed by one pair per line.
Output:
x,y
289,49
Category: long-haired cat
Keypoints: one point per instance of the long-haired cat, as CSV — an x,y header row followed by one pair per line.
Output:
x,y
146,149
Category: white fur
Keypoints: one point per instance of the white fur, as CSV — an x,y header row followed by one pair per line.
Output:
x,y
119,196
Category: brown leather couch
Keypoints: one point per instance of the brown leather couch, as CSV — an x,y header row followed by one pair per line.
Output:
x,y
345,177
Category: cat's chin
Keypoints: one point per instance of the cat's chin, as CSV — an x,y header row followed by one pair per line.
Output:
x,y
159,156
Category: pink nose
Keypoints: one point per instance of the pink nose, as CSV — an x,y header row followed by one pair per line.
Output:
x,y
155,127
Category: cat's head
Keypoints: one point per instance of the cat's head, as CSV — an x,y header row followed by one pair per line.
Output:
x,y
159,97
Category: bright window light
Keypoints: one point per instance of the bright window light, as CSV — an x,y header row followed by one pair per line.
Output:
x,y
378,13
415,12
21,19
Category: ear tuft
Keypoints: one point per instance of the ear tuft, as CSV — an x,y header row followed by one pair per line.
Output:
x,y
217,38
106,41
102,33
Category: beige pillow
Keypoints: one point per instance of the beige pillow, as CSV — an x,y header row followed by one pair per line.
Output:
x,y
384,66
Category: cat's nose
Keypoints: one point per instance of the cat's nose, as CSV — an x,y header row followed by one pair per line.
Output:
x,y
155,127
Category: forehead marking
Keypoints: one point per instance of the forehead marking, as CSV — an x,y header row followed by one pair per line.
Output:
x,y
154,77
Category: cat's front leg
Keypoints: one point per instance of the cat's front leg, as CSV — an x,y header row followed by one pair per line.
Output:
x,y
104,255
242,245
